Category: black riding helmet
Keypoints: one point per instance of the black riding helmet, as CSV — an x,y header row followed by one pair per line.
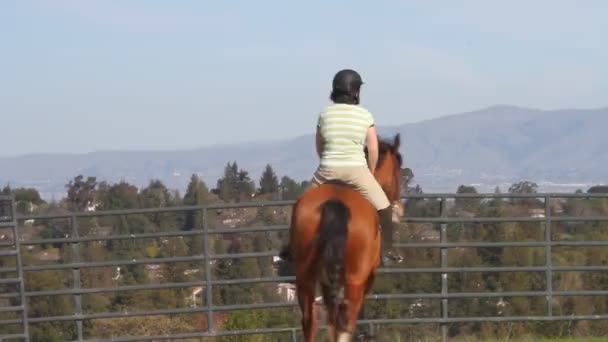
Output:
x,y
345,86
347,80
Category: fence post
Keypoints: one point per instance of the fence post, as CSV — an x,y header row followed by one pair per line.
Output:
x,y
19,268
548,257
76,275
208,288
444,264
294,335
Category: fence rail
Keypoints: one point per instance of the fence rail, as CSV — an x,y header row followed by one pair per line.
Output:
x,y
76,265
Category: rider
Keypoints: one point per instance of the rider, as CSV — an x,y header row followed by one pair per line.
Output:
x,y
343,130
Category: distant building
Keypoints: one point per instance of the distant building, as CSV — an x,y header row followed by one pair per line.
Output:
x,y
231,222
91,206
429,235
196,296
537,213
154,271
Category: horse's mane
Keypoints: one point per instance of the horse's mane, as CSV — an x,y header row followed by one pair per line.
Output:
x,y
384,146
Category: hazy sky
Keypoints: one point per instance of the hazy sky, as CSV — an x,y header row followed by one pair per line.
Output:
x,y
79,76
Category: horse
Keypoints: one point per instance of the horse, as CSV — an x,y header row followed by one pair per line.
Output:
x,y
335,241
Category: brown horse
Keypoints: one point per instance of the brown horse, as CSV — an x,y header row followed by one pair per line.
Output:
x,y
335,241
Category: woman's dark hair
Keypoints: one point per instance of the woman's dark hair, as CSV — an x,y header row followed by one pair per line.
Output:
x,y
346,86
341,96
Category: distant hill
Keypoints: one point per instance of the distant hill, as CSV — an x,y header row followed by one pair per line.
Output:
x,y
560,150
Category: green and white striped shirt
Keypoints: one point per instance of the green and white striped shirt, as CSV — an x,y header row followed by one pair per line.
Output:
x,y
343,128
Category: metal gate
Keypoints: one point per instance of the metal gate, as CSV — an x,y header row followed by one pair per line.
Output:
x,y
12,279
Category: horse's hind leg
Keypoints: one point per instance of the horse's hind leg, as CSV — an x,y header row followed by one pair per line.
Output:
x,y
368,286
306,297
363,332
354,296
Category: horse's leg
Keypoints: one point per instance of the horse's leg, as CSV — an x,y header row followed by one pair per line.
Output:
x,y
354,295
331,319
306,297
368,286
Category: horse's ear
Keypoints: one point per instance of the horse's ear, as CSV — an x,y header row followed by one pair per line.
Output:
x,y
396,142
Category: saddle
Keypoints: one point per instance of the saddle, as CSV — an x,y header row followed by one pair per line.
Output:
x,y
338,182
341,183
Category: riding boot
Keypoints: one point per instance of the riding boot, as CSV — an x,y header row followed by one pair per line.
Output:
x,y
386,222
285,253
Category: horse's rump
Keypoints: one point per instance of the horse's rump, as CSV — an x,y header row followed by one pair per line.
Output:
x,y
305,225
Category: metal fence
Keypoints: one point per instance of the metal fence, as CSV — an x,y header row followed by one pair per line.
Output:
x,y
207,282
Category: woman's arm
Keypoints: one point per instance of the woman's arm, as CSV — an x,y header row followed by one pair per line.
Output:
x,y
372,148
319,142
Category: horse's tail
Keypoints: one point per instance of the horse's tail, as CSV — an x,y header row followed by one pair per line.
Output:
x,y
332,246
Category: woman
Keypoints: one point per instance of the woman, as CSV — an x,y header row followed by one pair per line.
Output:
x,y
343,130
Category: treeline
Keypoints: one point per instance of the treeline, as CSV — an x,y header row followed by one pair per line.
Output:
x,y
483,282
86,193
235,185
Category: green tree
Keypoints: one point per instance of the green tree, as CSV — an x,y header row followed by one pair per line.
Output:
x,y
244,320
246,186
492,232
263,242
407,176
152,249
174,272
243,268
290,189
196,194
48,306
269,183
598,189
222,271
417,190
118,196
467,204
125,225
235,185
156,195
28,194
524,188
26,199
81,193
227,186
305,184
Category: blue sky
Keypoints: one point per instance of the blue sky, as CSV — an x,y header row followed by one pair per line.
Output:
x,y
79,76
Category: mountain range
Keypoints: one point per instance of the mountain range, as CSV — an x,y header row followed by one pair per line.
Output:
x,y
496,146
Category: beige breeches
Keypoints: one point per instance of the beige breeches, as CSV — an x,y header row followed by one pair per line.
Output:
x,y
359,177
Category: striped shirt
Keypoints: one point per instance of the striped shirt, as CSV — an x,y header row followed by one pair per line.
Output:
x,y
343,128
